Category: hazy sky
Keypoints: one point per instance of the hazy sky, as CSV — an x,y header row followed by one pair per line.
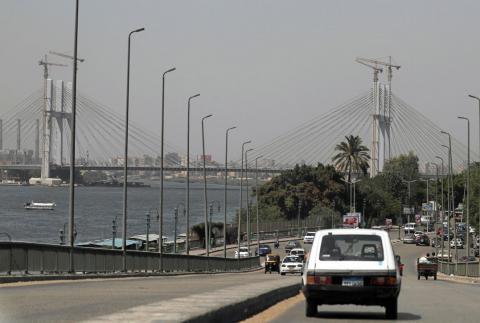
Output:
x,y
264,66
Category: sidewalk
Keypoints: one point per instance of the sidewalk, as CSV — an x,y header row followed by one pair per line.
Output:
x,y
459,279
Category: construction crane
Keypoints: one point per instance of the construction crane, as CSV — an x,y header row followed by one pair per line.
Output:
x,y
368,63
45,63
388,64
67,56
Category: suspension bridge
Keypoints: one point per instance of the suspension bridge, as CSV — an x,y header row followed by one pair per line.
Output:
x,y
35,134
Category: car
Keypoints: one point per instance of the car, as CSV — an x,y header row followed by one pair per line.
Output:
x,y
458,243
299,252
292,244
409,228
291,265
446,235
409,238
418,234
308,238
422,240
444,256
244,252
263,250
467,259
351,266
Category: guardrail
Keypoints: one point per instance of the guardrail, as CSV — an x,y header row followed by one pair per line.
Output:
x,y
25,258
470,269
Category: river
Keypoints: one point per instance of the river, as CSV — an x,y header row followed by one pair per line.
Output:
x,y
96,207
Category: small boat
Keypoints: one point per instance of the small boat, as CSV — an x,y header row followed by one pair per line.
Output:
x,y
39,206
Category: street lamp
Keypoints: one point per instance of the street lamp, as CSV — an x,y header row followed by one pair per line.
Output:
x,y
350,193
468,185
256,191
207,249
71,208
450,171
478,99
162,140
225,194
241,200
187,245
125,157
248,208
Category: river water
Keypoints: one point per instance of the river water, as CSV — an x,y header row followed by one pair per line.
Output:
x,y
96,207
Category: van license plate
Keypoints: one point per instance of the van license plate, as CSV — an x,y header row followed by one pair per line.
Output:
x,y
352,281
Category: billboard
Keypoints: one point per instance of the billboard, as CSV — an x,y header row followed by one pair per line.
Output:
x,y
351,220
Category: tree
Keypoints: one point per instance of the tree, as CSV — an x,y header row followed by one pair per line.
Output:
x,y
351,156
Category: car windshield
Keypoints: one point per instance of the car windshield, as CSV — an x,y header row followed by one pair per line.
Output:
x,y
291,259
351,247
243,249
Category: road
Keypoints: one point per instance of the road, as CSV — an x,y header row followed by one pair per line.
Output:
x,y
81,300
424,300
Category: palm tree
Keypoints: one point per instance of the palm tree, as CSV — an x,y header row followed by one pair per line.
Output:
x,y
352,156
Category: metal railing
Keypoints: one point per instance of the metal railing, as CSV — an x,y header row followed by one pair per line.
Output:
x,y
469,269
25,258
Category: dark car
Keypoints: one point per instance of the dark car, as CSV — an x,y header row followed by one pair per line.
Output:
x,y
292,245
422,240
263,250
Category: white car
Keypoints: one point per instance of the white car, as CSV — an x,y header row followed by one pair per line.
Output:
x,y
417,234
308,238
409,228
244,252
352,266
299,252
291,265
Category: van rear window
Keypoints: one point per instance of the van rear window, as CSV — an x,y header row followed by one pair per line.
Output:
x,y
351,247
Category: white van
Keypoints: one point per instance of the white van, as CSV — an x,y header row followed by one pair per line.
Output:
x,y
409,228
351,266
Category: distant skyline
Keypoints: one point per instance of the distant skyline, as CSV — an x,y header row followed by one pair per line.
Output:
x,y
263,66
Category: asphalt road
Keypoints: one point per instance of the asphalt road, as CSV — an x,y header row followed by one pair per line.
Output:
x,y
80,300
424,300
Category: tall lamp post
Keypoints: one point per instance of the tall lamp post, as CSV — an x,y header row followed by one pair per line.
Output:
x,y
125,157
160,222
478,100
71,209
468,185
443,205
450,172
409,196
207,243
241,201
175,225
225,194
187,241
256,192
248,208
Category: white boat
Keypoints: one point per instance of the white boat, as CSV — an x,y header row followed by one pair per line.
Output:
x,y
39,206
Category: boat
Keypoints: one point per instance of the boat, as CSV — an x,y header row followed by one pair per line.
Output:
x,y
39,205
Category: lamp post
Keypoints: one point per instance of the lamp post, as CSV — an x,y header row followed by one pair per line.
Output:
x,y
256,191
225,194
187,244
350,193
450,172
248,208
478,100
162,140
207,249
468,185
71,208
354,195
147,237
241,200
125,156
210,220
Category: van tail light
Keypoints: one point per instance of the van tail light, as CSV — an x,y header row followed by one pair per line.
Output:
x,y
319,280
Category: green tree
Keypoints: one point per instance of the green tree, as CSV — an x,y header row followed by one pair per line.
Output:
x,y
351,156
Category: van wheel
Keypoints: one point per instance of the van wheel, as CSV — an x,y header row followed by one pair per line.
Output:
x,y
391,310
426,277
418,277
435,277
310,308
283,274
